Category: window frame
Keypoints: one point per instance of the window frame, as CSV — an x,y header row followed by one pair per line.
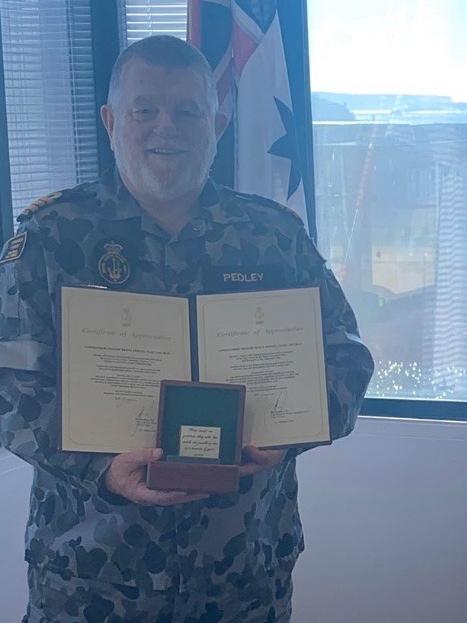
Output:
x,y
106,43
105,20
6,207
408,408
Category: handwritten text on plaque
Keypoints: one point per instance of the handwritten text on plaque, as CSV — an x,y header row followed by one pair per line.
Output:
x,y
200,441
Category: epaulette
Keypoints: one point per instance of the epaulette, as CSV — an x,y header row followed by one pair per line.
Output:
x,y
37,205
270,203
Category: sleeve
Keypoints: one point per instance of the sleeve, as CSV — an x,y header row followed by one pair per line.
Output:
x,y
349,364
28,370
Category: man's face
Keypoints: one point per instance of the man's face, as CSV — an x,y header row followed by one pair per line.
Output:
x,y
162,131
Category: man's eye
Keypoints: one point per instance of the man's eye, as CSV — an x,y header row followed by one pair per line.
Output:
x,y
142,113
188,112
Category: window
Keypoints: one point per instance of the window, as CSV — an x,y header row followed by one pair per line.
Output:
x,y
390,128
49,91
144,18
390,147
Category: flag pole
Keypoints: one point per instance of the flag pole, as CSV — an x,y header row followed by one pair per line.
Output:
x,y
194,23
309,172
294,23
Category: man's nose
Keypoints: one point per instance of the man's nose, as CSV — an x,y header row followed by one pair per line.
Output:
x,y
164,123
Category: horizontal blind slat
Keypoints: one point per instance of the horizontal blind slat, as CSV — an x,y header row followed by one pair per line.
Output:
x,y
142,19
50,99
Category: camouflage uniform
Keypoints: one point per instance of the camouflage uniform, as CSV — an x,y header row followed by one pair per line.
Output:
x,y
94,556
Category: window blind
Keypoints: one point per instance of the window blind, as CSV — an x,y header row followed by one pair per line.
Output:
x,y
144,18
49,85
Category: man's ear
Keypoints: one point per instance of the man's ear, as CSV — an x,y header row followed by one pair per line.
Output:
x,y
220,125
108,119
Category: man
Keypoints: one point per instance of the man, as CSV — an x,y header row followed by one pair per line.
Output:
x,y
101,547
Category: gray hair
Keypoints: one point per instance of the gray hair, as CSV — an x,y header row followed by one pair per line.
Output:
x,y
168,52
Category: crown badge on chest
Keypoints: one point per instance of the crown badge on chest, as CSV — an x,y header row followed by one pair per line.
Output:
x,y
113,266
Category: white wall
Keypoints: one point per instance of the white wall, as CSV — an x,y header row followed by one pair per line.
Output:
x,y
15,480
385,519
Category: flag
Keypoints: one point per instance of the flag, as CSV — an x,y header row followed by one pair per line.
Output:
x,y
266,144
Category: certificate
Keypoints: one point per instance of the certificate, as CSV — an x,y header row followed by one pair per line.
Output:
x,y
116,347
272,342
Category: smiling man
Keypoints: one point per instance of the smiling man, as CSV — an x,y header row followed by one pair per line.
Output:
x,y
101,546
161,125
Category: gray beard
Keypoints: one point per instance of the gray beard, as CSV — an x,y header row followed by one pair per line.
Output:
x,y
148,184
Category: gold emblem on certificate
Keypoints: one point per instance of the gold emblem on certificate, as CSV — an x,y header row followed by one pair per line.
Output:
x,y
259,315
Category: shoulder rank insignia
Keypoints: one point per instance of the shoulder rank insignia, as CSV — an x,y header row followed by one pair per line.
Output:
x,y
13,248
38,204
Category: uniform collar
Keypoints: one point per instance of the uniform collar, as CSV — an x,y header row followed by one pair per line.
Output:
x,y
220,205
216,205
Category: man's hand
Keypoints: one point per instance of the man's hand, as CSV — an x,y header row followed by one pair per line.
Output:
x,y
126,476
255,460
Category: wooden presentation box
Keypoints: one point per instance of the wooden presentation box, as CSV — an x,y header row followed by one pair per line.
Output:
x,y
200,430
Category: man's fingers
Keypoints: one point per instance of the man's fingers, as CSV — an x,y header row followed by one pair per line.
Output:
x,y
249,469
152,497
126,478
257,456
180,497
138,458
258,460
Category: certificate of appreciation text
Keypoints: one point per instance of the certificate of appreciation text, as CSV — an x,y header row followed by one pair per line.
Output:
x,y
116,347
271,342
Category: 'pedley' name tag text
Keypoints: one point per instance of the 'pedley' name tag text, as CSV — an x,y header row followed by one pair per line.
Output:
x,y
243,277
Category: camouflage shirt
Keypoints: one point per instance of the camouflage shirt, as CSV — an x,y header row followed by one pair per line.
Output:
x,y
76,527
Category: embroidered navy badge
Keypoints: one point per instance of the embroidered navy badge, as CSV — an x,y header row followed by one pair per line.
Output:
x,y
13,248
113,266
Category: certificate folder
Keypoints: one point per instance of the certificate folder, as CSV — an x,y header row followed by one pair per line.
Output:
x,y
116,347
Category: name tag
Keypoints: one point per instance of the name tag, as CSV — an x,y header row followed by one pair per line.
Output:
x,y
219,279
243,277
